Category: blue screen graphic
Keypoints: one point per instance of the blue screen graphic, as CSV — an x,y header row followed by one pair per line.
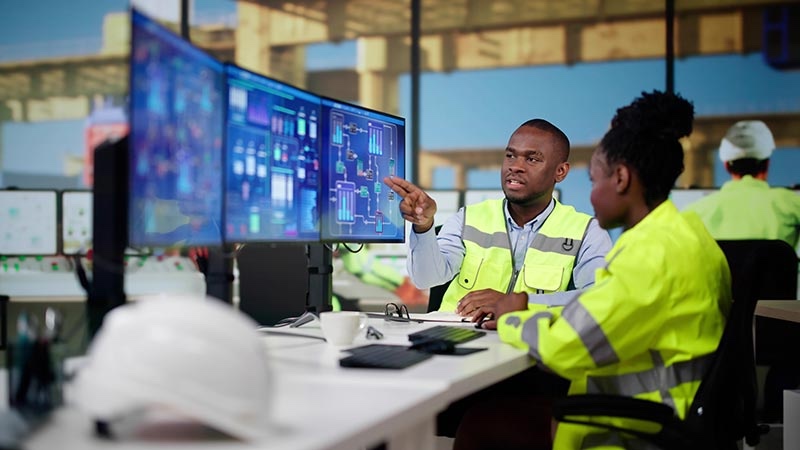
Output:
x,y
272,160
359,148
176,134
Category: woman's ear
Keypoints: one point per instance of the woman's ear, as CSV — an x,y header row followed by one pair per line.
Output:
x,y
622,178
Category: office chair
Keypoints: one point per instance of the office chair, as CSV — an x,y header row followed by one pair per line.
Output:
x,y
437,292
724,408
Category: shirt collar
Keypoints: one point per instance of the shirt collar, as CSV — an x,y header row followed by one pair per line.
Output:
x,y
746,181
535,223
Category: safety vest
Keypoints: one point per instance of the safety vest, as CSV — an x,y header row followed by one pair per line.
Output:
x,y
647,328
489,262
371,270
750,209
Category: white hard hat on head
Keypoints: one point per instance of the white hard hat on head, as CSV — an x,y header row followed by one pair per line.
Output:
x,y
196,356
747,139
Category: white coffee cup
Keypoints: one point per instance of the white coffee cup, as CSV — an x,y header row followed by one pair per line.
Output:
x,y
342,327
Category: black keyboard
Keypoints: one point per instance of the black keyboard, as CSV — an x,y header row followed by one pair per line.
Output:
x,y
452,335
379,356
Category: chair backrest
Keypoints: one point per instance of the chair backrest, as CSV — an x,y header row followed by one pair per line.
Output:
x,y
724,407
437,292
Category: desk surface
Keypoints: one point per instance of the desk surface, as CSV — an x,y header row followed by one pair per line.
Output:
x,y
320,405
779,309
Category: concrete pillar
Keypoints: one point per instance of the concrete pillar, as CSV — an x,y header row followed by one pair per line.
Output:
x,y
378,83
252,37
5,116
698,165
255,50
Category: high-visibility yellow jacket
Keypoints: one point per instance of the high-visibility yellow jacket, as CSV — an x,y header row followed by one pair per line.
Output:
x,y
489,262
646,329
750,209
371,270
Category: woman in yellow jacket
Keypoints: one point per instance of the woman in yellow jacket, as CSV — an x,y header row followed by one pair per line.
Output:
x,y
649,325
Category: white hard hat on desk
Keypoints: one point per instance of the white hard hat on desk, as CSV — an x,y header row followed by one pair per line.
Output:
x,y
196,356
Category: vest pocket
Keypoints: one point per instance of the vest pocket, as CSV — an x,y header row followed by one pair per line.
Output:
x,y
542,277
469,272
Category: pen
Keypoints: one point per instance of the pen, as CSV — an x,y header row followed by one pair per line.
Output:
x,y
485,318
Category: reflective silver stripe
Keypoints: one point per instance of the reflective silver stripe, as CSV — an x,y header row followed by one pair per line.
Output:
x,y
664,384
486,240
614,438
659,378
530,333
560,245
590,332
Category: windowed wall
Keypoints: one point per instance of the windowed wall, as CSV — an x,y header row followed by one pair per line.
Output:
x,y
486,67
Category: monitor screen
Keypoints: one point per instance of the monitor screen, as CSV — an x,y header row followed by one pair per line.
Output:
x,y
272,162
447,204
176,137
683,197
76,222
360,147
478,195
29,221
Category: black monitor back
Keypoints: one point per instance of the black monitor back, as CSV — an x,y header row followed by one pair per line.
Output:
x,y
273,281
110,230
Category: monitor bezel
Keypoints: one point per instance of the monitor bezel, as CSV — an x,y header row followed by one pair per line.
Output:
x,y
57,224
362,240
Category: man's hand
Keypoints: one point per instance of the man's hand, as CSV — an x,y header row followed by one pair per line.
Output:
x,y
472,302
488,314
417,207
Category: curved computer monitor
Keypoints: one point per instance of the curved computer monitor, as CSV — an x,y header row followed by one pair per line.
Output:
x,y
29,222
176,140
272,160
360,147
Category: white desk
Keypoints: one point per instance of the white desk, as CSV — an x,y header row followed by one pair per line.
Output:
x,y
320,405
787,310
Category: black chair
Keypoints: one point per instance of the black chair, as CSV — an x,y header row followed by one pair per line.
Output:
x,y
724,408
437,292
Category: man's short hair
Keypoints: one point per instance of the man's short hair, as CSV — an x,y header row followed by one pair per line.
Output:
x,y
562,141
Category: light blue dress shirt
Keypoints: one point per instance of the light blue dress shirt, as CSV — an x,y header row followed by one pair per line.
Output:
x,y
434,260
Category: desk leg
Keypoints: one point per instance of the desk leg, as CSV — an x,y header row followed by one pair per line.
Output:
x,y
421,436
791,419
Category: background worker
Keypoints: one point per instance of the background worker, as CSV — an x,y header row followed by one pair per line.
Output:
x,y
747,207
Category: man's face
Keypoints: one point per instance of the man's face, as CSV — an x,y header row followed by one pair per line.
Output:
x,y
532,166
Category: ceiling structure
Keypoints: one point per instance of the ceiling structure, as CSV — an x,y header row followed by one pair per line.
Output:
x,y
456,35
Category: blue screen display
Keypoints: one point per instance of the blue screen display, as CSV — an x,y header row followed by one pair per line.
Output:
x,y
272,162
176,138
360,147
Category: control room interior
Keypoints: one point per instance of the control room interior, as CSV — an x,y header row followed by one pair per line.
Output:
x,y
428,91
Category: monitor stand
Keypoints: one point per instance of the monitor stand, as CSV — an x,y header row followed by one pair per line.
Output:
x,y
219,273
320,278
110,236
282,280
